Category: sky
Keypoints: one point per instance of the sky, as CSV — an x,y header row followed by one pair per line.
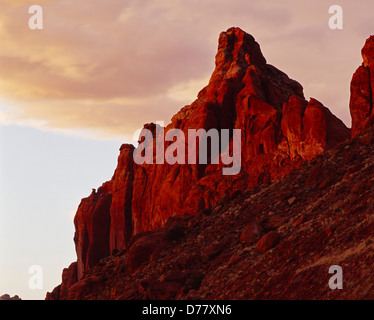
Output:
x,y
73,92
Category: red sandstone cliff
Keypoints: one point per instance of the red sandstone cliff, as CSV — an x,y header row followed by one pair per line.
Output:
x,y
275,241
362,84
280,131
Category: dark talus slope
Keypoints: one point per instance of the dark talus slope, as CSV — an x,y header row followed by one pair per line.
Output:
x,y
276,241
280,132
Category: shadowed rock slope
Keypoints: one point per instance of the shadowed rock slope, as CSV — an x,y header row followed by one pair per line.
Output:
x,y
302,202
276,241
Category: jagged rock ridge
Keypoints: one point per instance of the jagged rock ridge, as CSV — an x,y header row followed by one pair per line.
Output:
x,y
276,241
280,131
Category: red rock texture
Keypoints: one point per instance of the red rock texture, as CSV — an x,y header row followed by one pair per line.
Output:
x,y
280,130
69,278
331,222
251,233
362,84
143,248
268,241
121,205
92,228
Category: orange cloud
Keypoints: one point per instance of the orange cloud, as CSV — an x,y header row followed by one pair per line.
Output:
x,y
110,66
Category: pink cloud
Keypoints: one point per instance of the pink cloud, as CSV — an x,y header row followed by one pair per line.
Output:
x,y
110,66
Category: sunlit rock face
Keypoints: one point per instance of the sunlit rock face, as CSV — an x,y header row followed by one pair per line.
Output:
x,y
280,130
362,84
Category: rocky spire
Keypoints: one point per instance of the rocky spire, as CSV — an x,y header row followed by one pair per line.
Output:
x,y
362,84
280,130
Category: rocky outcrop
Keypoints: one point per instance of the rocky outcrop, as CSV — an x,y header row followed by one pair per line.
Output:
x,y
362,84
280,130
272,242
69,278
8,297
92,229
121,205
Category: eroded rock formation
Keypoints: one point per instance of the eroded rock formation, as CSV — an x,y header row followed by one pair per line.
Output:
x,y
280,130
362,84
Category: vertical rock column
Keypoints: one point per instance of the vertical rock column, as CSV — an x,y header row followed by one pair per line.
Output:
x,y
362,84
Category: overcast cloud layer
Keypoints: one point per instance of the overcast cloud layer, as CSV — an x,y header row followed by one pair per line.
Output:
x,y
107,67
